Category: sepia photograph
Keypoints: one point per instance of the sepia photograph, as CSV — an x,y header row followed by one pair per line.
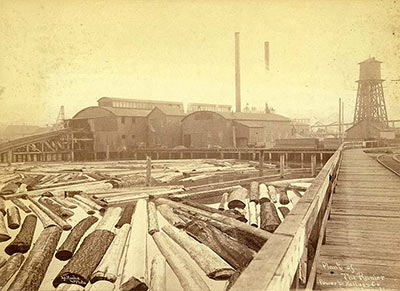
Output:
x,y
215,145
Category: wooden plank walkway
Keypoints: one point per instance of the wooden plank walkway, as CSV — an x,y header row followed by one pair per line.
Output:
x,y
362,249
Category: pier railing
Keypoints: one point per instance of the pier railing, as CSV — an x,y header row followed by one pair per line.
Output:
x,y
287,260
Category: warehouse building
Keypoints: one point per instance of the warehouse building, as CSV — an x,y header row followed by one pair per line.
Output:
x,y
233,129
164,127
118,126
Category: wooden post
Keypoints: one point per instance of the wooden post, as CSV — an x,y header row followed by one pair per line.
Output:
x,y
270,156
282,165
313,164
261,165
302,160
321,157
148,171
108,152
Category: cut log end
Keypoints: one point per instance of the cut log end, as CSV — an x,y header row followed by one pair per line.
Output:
x,y
69,278
134,285
4,237
236,204
223,274
64,255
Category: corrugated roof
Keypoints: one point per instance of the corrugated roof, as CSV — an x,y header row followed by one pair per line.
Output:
x,y
251,124
253,116
172,111
128,111
139,100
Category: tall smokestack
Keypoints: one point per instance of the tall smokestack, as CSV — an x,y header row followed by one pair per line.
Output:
x,y
237,72
266,50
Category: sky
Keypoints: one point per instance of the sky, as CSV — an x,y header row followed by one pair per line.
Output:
x,y
71,53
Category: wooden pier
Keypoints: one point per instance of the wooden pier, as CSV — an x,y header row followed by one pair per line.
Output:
x,y
343,234
362,241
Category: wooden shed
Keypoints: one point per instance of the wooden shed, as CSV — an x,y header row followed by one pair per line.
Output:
x,y
115,130
164,127
233,129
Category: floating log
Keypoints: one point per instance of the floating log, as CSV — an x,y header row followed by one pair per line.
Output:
x,y
13,217
253,221
23,240
269,218
67,249
101,286
240,213
32,272
232,280
2,261
85,207
235,253
223,205
284,210
9,268
189,279
58,220
47,194
170,216
81,266
237,199
90,203
236,213
283,197
158,274
64,202
2,206
258,235
297,192
56,208
10,188
4,235
126,216
43,217
20,204
134,274
264,195
214,267
272,194
70,287
251,241
254,194
152,218
109,219
108,267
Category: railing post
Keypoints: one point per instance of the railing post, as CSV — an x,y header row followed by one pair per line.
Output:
x,y
148,171
261,164
313,164
282,164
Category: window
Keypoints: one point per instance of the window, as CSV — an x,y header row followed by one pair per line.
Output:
x,y
123,136
123,120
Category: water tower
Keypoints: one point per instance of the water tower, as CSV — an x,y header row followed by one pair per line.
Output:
x,y
370,104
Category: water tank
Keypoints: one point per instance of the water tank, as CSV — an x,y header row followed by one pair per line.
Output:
x,y
370,69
